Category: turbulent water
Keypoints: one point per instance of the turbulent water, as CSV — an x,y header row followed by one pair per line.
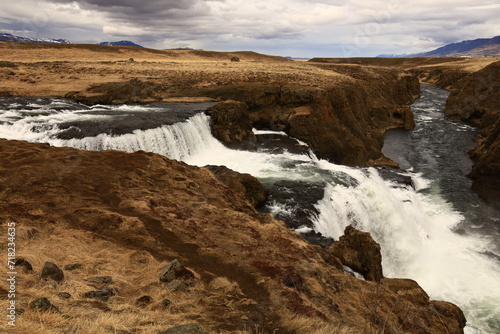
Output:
x,y
423,233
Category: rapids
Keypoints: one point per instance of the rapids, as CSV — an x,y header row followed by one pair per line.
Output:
x,y
423,233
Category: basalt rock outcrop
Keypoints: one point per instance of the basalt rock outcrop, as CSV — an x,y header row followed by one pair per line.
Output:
x,y
343,123
476,99
131,91
136,210
245,185
232,125
360,252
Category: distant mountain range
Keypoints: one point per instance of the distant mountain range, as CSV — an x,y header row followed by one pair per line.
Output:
x,y
4,37
473,48
120,43
12,38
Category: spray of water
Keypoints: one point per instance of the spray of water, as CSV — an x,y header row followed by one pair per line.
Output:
x,y
415,230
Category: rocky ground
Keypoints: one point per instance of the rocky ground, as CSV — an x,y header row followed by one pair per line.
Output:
x,y
112,242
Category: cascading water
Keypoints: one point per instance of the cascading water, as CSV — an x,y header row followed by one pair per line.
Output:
x,y
415,226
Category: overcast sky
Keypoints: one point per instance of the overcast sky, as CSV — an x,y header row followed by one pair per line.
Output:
x,y
298,28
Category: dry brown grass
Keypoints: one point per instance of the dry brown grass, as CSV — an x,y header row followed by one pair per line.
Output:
x,y
55,71
134,274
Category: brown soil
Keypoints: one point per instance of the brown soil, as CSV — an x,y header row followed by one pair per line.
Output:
x,y
122,215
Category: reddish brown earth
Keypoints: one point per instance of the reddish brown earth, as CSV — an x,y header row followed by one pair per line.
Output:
x,y
120,215
125,216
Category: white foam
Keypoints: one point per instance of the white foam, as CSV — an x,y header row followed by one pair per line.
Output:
x,y
417,241
413,228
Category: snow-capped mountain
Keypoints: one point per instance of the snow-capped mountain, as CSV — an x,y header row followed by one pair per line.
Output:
x,y
4,37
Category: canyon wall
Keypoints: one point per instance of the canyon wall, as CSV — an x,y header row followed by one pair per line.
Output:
x,y
343,123
475,99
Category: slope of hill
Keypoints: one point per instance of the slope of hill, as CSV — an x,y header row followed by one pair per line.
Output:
x,y
120,43
473,48
476,47
4,37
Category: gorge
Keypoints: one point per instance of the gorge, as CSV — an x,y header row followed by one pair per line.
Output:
x,y
145,203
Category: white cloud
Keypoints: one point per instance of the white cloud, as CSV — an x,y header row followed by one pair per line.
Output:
x,y
301,27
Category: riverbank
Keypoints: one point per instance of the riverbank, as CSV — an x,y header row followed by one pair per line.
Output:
x,y
121,220
341,112
474,85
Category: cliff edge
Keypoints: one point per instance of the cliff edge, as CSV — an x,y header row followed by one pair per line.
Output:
x,y
125,242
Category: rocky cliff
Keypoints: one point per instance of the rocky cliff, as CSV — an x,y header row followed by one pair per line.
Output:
x,y
474,86
476,99
127,242
343,123
340,110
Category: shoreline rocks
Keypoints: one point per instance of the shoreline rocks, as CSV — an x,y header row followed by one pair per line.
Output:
x,y
360,252
476,99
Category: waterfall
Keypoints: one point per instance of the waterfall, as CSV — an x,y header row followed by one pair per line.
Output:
x,y
415,228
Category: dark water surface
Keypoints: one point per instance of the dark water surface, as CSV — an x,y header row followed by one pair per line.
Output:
x,y
437,148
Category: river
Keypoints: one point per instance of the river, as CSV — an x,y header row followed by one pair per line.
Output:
x,y
431,228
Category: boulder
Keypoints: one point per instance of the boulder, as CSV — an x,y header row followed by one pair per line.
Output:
x,y
102,295
167,273
43,304
360,252
144,301
52,271
243,184
22,263
231,124
73,266
165,303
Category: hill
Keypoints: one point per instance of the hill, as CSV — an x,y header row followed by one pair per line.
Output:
x,y
120,43
471,48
